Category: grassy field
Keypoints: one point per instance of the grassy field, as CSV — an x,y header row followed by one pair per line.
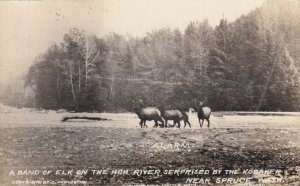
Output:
x,y
31,140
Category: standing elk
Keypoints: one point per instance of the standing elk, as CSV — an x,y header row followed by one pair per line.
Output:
x,y
176,116
147,114
203,114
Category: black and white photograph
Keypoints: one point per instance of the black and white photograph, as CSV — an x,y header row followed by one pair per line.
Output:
x,y
150,92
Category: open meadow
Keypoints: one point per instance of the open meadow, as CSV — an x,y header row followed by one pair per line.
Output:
x,y
38,140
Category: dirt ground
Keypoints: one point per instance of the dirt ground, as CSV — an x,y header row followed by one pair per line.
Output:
x,y
31,140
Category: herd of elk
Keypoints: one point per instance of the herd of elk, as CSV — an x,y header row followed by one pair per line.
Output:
x,y
156,114
176,116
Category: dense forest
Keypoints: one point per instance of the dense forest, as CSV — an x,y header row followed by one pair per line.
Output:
x,y
250,64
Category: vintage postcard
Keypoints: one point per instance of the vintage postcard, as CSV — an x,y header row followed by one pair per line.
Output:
x,y
140,92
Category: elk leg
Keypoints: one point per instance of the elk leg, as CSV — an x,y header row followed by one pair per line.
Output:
x,y
200,122
145,124
141,123
188,123
178,124
208,123
166,123
156,124
162,122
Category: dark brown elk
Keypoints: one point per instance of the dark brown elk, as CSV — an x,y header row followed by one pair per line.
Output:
x,y
147,114
176,116
204,114
185,118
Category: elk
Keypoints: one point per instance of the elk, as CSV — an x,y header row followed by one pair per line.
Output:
x,y
147,114
203,114
185,118
176,116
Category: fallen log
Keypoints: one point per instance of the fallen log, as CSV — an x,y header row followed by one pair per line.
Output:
x,y
83,117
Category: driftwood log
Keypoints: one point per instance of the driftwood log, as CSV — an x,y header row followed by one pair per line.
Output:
x,y
83,117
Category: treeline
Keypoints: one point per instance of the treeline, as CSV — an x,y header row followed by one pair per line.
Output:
x,y
249,64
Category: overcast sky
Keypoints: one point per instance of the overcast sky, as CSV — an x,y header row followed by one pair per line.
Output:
x,y
28,28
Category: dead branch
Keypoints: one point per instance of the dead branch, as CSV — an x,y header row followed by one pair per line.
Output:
x,y
83,117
